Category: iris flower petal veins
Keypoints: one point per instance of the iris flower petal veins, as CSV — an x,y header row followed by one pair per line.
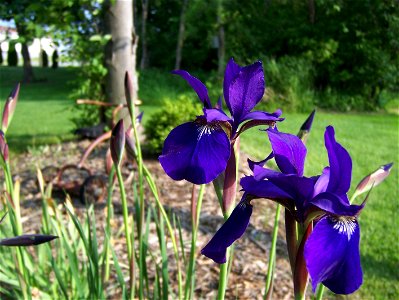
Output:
x,y
207,140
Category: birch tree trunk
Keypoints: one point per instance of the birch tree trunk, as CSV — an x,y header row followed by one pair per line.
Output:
x,y
180,38
120,51
144,57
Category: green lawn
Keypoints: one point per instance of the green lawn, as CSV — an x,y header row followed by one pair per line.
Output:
x,y
44,111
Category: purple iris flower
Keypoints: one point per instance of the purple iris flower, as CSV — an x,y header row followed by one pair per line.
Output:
x,y
198,151
332,249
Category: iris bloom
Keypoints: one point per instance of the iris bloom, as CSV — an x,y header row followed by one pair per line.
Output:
x,y
198,151
332,250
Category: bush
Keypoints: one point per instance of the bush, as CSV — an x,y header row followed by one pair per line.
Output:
x,y
44,59
1,56
12,57
288,84
172,114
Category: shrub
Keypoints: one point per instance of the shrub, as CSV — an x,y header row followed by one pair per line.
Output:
x,y
172,114
288,84
12,57
44,59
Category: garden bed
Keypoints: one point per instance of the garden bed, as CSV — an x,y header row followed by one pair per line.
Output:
x,y
247,277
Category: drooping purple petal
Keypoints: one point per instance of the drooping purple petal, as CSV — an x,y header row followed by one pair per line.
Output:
x,y
299,188
197,86
289,152
261,173
246,90
231,230
263,116
334,204
214,114
230,74
332,255
322,182
195,151
340,164
268,190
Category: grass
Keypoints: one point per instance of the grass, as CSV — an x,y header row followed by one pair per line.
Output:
x,y
44,111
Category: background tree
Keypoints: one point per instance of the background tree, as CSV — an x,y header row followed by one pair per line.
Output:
x,y
54,59
12,56
120,51
44,58
180,37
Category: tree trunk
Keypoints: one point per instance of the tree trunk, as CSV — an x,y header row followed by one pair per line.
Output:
x,y
312,11
27,65
221,38
28,70
144,58
180,38
120,51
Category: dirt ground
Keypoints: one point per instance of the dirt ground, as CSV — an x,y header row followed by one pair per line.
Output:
x,y
247,279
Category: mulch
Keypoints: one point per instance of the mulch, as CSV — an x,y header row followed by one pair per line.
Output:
x,y
247,278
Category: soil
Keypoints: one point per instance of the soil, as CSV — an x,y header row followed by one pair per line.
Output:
x,y
247,278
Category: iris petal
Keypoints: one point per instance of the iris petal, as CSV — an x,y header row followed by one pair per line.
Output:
x,y
214,114
263,116
196,152
231,73
340,164
246,90
289,152
332,255
322,182
231,230
334,204
197,86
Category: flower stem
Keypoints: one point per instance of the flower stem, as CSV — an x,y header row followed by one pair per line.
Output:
x,y
319,292
223,275
125,223
272,256
190,279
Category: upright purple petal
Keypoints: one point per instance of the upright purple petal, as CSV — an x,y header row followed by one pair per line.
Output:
x,y
231,230
230,74
195,151
197,86
322,182
246,90
332,255
289,152
340,164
